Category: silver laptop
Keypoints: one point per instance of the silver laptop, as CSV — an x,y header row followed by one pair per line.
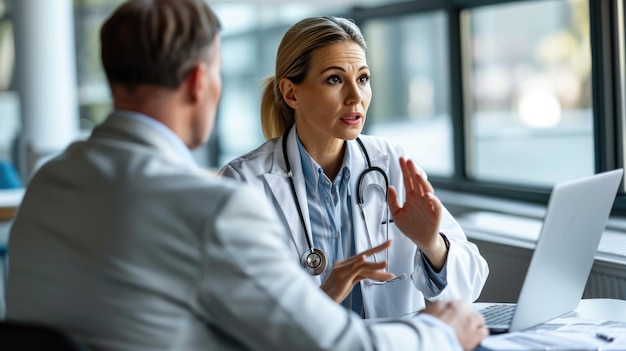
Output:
x,y
555,281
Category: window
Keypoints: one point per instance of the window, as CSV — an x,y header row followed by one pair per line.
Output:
x,y
9,100
247,60
408,59
534,90
492,97
528,96
94,101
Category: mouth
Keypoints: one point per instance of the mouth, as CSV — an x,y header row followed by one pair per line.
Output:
x,y
351,118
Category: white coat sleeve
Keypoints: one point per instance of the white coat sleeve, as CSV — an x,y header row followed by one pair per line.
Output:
x,y
253,292
466,269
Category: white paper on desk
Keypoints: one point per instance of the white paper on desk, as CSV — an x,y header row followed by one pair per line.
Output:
x,y
562,334
584,329
525,341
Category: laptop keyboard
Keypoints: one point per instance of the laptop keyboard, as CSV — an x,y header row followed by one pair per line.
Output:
x,y
498,314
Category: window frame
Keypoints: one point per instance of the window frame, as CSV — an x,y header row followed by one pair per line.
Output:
x,y
608,85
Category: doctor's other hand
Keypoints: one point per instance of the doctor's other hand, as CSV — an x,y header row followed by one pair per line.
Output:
x,y
419,217
468,325
346,273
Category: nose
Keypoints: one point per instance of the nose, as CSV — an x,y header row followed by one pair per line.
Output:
x,y
354,95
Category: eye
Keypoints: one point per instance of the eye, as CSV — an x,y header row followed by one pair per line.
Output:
x,y
334,79
364,79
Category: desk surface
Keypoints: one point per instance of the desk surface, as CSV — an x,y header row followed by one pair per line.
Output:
x,y
579,328
601,309
10,200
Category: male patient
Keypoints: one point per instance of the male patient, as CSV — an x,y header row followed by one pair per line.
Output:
x,y
127,244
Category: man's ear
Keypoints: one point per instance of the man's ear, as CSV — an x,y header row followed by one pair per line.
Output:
x,y
287,89
196,81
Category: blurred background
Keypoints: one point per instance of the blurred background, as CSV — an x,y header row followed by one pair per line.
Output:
x,y
488,91
497,100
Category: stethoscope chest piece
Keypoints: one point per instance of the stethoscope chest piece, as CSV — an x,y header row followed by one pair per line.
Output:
x,y
314,261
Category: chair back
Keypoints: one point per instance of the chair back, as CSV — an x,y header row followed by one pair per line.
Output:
x,y
22,336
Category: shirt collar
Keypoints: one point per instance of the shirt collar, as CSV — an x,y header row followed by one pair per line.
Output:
x,y
174,140
312,171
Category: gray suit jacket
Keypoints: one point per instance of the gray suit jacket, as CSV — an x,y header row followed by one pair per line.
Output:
x,y
121,242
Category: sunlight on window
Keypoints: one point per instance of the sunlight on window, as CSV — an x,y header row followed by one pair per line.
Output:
x,y
539,109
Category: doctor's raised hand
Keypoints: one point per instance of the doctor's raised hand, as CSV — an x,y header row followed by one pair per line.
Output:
x,y
420,216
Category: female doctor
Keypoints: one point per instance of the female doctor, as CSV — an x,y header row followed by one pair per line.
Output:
x,y
340,193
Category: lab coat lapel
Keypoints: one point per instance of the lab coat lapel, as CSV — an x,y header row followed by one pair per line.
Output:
x,y
279,184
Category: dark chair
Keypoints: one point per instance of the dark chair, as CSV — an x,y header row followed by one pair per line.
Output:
x,y
21,336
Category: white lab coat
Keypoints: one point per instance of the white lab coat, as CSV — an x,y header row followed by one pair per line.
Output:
x,y
467,270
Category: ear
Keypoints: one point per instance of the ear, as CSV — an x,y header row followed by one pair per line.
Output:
x,y
287,89
196,82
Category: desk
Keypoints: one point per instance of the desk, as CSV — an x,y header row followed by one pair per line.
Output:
x,y
10,200
601,309
576,333
7,213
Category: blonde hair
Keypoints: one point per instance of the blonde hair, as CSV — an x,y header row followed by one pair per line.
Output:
x,y
293,61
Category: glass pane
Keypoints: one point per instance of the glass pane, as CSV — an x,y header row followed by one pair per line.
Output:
x,y
529,92
408,59
9,104
94,99
246,61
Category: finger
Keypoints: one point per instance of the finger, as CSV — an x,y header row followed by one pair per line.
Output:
x,y
350,261
357,266
420,179
406,176
376,275
372,266
392,200
357,271
376,249
481,328
435,203
361,257
371,270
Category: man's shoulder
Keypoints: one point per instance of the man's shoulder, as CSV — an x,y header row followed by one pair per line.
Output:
x,y
256,162
210,183
205,181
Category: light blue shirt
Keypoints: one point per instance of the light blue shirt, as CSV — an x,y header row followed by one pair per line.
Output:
x,y
173,139
331,221
330,216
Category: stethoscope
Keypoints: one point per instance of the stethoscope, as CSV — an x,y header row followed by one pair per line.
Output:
x,y
313,260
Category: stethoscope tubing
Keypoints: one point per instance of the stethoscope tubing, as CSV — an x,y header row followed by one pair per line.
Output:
x,y
313,259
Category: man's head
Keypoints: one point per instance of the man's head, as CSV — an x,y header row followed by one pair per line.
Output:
x,y
156,42
169,46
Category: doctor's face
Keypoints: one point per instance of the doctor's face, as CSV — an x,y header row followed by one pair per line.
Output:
x,y
331,103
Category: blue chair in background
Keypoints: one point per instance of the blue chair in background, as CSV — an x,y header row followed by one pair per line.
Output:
x,y
9,178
